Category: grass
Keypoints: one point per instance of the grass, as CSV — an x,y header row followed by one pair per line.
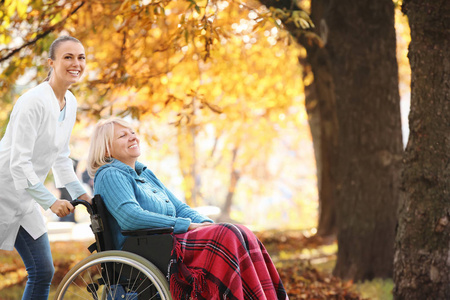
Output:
x,y
377,289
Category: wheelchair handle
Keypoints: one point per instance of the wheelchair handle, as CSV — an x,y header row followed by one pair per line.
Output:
x,y
83,202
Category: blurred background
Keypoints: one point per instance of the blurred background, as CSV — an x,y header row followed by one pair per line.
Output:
x,y
215,91
227,99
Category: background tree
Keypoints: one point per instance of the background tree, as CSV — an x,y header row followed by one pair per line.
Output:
x,y
422,261
319,100
362,47
357,68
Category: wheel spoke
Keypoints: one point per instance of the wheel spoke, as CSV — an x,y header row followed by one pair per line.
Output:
x,y
110,274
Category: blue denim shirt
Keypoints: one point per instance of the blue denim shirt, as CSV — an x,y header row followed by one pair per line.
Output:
x,y
138,200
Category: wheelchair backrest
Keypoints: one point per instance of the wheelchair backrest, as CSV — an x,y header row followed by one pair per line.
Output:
x,y
155,245
100,225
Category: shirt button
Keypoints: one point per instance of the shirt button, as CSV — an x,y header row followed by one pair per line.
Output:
x,y
167,200
154,191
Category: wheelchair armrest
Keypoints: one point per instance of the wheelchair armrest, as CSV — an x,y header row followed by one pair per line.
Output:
x,y
147,231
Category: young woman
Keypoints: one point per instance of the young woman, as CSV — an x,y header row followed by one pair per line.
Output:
x,y
211,261
37,139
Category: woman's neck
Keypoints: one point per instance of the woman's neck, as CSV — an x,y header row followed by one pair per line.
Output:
x,y
58,89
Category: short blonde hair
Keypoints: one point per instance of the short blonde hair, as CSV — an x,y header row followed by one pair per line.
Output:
x,y
101,142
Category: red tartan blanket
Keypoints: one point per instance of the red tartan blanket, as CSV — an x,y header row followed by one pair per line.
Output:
x,y
223,261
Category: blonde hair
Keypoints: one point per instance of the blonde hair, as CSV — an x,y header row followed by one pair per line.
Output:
x,y
101,142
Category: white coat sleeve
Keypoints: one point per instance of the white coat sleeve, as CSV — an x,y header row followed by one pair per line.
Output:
x,y
24,122
63,170
41,195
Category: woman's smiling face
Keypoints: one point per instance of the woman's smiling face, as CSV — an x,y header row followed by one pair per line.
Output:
x,y
125,145
69,62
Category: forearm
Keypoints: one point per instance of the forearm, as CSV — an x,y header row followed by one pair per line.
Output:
x,y
41,194
133,217
75,189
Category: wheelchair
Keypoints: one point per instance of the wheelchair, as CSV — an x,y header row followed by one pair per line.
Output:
x,y
137,272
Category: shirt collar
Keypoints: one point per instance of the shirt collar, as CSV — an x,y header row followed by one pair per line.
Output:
x,y
138,168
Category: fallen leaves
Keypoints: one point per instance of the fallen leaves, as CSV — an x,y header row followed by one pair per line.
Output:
x,y
302,278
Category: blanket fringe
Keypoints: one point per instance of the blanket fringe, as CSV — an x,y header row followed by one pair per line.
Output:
x,y
197,282
176,251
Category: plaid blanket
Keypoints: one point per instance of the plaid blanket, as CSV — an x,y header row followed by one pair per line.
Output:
x,y
222,261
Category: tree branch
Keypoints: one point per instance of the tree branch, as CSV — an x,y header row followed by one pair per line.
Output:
x,y
40,35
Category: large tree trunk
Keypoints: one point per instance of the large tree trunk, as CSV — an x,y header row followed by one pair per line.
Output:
x,y
362,48
319,99
321,93
321,109
422,256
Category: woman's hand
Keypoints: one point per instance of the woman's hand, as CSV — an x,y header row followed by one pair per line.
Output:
x,y
62,208
198,225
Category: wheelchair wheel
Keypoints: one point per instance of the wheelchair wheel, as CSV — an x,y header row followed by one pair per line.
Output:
x,y
114,275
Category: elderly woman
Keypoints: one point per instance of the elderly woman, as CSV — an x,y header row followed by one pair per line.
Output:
x,y
213,261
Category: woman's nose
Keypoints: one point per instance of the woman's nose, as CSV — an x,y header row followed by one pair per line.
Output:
x,y
77,62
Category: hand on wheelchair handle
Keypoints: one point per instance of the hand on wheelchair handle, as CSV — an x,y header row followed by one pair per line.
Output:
x,y
85,203
62,208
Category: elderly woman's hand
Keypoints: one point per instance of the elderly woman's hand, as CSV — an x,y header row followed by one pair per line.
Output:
x,y
199,225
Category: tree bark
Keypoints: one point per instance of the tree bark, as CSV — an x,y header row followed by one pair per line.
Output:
x,y
422,252
362,47
359,73
321,109
326,142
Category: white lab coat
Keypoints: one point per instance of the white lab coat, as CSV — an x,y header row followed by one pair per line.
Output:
x,y
34,142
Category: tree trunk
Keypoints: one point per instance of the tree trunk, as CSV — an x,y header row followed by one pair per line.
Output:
x,y
187,150
324,142
422,253
225,215
321,109
360,54
362,47
323,85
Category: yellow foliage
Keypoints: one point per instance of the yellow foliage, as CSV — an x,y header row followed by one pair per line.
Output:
x,y
224,72
403,40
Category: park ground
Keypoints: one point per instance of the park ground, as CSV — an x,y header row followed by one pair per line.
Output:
x,y
304,262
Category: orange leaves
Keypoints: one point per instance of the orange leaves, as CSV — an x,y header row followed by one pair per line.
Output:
x,y
170,48
301,279
304,282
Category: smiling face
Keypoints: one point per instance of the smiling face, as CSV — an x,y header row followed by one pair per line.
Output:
x,y
125,145
68,64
